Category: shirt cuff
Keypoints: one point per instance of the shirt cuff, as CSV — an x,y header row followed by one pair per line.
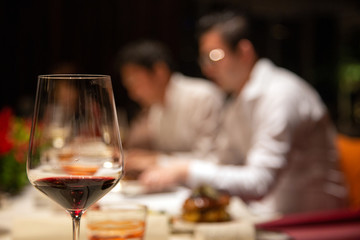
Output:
x,y
201,172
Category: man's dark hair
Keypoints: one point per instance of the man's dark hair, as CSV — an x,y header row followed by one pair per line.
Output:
x,y
232,25
145,53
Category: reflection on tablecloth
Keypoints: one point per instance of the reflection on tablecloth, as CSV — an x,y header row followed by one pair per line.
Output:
x,y
59,228
35,228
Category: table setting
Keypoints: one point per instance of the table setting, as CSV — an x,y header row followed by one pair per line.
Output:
x,y
75,158
76,170
32,216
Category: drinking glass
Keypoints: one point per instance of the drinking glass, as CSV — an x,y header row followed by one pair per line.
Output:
x,y
125,221
75,154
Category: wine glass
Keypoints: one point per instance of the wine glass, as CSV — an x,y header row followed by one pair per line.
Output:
x,y
75,154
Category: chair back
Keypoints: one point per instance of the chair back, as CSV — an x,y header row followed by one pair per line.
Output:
x,y
349,151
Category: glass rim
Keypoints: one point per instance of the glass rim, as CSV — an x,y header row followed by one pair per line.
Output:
x,y
123,206
73,76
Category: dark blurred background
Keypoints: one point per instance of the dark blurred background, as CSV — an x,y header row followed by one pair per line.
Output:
x,y
317,39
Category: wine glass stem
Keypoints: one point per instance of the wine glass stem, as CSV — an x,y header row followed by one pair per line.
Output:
x,y
76,226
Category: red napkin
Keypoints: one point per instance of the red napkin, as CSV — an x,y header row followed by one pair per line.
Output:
x,y
325,225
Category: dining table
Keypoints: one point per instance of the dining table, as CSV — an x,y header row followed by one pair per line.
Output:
x,y
30,216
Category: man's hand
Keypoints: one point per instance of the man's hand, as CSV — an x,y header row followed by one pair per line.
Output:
x,y
160,178
139,160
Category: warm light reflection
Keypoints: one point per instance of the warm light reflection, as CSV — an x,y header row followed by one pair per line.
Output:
x,y
106,137
117,187
216,54
58,142
108,165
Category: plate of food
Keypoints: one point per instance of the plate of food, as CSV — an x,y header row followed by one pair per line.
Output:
x,y
204,205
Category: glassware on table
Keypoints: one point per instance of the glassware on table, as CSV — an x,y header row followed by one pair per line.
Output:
x,y
123,221
75,153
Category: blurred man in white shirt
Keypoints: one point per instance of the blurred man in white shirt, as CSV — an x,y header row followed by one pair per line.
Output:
x,y
180,113
276,148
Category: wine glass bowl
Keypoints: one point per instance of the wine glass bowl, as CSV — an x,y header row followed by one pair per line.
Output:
x,y
75,154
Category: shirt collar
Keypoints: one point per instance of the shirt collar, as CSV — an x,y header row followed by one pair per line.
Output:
x,y
258,80
170,90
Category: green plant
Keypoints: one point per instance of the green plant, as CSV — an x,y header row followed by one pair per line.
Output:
x,y
14,137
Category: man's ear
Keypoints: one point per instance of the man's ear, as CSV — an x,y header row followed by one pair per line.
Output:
x,y
245,49
244,46
161,71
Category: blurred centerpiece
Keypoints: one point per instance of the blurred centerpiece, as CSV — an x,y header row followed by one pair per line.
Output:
x,y
14,139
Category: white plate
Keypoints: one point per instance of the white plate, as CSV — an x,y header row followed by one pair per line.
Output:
x,y
134,188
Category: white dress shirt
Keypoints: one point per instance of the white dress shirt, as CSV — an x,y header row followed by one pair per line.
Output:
x,y
276,147
186,124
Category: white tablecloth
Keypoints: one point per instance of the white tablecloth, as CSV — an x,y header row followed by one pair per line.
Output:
x,y
31,216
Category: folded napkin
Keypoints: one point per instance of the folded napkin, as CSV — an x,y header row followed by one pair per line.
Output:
x,y
341,224
233,230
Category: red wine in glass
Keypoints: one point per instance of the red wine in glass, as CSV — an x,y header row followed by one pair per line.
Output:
x,y
75,193
75,154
